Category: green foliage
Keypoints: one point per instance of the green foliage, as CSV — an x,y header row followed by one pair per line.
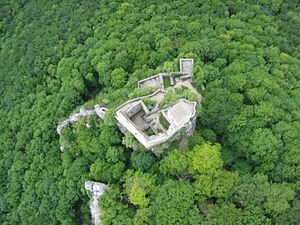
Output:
x,y
218,185
187,94
114,154
224,103
129,141
194,140
223,214
174,163
257,191
105,172
291,216
229,214
118,78
170,98
56,56
168,209
139,92
163,121
169,66
203,187
205,159
278,199
142,160
138,187
223,182
149,102
112,210
198,75
142,217
167,82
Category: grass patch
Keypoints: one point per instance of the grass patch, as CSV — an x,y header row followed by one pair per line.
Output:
x,y
149,102
169,98
139,92
149,132
167,82
164,122
176,74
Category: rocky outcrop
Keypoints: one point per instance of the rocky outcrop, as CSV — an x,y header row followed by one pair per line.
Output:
x,y
100,111
97,189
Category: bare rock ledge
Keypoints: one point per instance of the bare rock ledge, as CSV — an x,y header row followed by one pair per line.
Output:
x,y
97,189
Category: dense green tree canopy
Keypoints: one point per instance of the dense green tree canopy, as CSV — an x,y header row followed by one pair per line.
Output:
x,y
205,159
174,204
241,166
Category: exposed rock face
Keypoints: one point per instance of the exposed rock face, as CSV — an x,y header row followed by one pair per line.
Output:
x,y
97,189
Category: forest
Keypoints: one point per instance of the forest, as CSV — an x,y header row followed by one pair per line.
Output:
x,y
241,166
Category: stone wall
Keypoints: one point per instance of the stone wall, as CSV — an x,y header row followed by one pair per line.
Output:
x,y
134,110
97,110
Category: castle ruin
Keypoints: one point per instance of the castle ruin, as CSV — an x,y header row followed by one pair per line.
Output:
x,y
152,123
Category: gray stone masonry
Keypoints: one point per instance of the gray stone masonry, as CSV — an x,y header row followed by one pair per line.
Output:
x,y
134,117
97,110
186,66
